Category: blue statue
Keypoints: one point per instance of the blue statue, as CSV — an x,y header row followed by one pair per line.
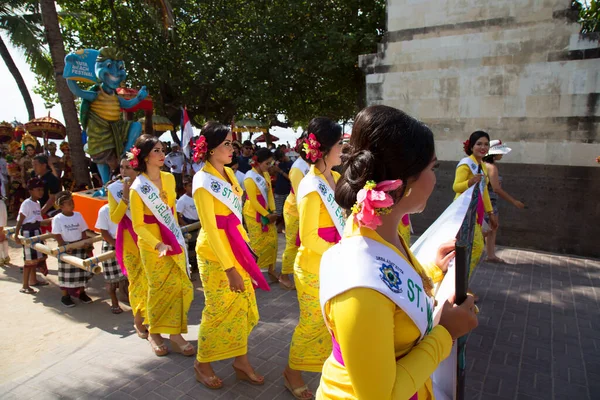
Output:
x,y
108,135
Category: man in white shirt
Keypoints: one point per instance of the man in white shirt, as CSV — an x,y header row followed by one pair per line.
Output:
x,y
188,214
175,161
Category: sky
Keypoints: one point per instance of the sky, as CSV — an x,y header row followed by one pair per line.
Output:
x,y
13,107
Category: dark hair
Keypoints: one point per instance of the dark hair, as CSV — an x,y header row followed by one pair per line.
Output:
x,y
489,159
63,196
34,183
327,132
30,145
234,161
279,154
215,134
475,136
385,144
187,180
145,144
247,143
42,159
263,154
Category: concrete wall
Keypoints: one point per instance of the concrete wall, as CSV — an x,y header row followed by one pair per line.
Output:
x,y
520,70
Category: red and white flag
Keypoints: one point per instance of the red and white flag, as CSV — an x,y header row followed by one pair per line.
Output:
x,y
187,133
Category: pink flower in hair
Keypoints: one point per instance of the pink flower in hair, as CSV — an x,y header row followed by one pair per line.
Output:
x,y
132,157
372,201
311,148
200,149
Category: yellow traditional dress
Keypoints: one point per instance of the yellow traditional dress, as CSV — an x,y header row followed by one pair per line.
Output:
x,y
311,342
461,183
170,291
263,235
138,283
382,356
404,229
228,317
292,223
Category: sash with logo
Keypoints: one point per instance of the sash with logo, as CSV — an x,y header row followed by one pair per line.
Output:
x,y
116,191
223,192
474,167
169,230
312,183
301,165
260,181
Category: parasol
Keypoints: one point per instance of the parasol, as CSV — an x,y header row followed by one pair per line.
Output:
x,y
6,132
19,132
249,125
47,128
128,94
159,124
262,138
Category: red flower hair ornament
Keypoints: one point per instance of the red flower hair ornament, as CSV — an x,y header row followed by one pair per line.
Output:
x,y
254,161
466,146
311,148
200,149
132,157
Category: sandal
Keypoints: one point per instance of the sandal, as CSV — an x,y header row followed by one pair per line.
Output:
x,y
160,350
287,286
212,382
141,335
250,378
273,276
188,350
298,392
116,310
27,291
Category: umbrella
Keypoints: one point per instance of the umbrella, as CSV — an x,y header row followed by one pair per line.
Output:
x,y
159,124
128,94
6,132
47,128
249,125
262,138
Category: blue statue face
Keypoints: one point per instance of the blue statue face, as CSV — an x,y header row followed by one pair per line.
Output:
x,y
111,73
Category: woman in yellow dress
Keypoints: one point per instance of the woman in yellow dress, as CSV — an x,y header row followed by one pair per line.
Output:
x,y
470,171
227,267
321,226
375,296
290,216
162,247
127,252
259,211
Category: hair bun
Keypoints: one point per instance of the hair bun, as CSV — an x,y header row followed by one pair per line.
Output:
x,y
359,168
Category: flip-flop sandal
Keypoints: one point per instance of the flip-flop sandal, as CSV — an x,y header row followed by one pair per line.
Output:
x,y
299,391
40,283
286,286
116,310
27,291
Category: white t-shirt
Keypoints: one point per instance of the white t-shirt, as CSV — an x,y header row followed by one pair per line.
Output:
x,y
3,215
240,177
175,160
187,208
31,210
104,222
70,228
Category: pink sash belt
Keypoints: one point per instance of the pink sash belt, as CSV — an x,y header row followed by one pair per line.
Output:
x,y
168,237
124,224
405,220
480,210
241,251
262,202
330,235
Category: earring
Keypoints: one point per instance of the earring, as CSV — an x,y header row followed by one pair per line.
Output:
x,y
211,152
408,192
146,159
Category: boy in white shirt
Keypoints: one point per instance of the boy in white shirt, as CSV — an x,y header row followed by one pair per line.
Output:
x,y
69,227
187,214
29,224
113,276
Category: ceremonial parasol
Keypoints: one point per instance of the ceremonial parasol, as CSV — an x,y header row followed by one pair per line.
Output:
x,y
47,128
6,132
248,125
262,138
19,132
159,124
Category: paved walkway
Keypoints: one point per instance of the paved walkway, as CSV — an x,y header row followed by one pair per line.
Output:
x,y
538,338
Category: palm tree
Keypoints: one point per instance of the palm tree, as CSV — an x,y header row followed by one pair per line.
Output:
x,y
65,97
20,21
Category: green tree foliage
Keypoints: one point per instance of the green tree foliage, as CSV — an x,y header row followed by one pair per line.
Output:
x,y
589,15
236,57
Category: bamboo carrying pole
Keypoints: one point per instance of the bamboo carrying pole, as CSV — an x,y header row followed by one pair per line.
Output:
x,y
75,245
191,227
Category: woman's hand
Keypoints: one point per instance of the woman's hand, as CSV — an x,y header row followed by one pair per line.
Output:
x,y
475,179
272,218
236,283
445,254
126,185
163,249
519,205
459,320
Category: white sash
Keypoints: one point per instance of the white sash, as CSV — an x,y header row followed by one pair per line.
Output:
x,y
151,198
301,165
220,189
260,182
362,262
468,161
116,190
310,184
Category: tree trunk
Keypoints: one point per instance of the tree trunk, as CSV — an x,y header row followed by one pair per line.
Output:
x,y
10,64
81,172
